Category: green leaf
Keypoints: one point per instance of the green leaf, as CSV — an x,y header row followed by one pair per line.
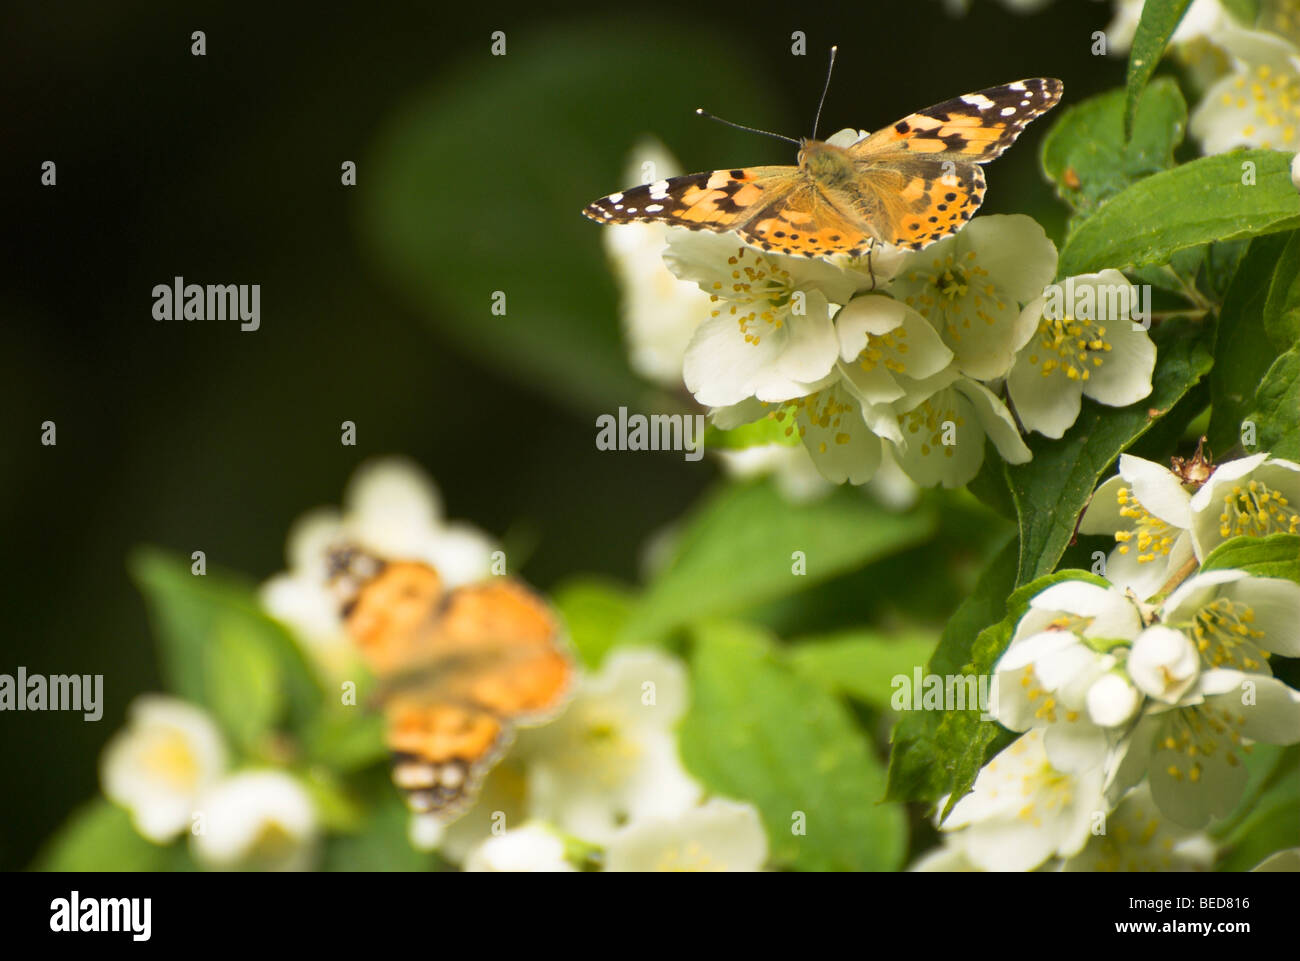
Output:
x,y
758,731
243,681
914,740
990,487
1277,555
739,550
1051,490
219,650
476,184
1277,411
941,752
99,836
595,610
1148,222
379,840
345,738
1282,308
336,809
1087,146
759,433
1245,11
1242,351
862,663
1272,823
1158,22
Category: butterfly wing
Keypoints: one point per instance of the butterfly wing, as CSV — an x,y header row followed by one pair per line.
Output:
x,y
774,208
458,672
973,127
918,181
920,178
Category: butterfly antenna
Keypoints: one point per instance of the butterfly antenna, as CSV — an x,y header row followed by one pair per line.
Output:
x,y
700,111
822,101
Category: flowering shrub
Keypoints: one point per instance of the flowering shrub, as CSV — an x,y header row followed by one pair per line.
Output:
x,y
1010,535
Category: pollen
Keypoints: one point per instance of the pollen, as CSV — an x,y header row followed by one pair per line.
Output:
x,y
1073,346
1224,636
1149,535
1256,509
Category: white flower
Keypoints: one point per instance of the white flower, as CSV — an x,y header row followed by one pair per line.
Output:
x,y
391,508
1148,510
1257,104
157,766
611,758
1163,662
947,858
789,466
502,802
891,485
660,312
719,835
965,413
837,431
1237,620
1253,496
262,819
1112,700
1138,838
1083,350
971,286
1059,671
529,848
1023,811
1191,750
1295,171
1046,676
888,353
769,334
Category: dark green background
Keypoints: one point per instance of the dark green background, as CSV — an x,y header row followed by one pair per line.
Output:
x,y
225,169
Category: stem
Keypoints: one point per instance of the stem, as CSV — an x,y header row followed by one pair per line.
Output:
x,y
1189,290
1180,575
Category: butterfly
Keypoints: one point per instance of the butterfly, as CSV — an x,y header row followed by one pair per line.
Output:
x,y
909,184
457,670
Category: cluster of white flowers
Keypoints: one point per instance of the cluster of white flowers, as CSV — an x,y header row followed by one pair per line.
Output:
x,y
913,358
605,776
1159,525
1250,71
1158,680
601,784
168,768
392,509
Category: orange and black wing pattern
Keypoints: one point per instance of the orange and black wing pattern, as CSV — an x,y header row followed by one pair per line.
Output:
x,y
458,671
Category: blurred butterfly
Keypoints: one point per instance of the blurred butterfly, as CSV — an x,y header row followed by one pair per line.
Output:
x,y
909,184
458,670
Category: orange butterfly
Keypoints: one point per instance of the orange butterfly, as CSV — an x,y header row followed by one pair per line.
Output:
x,y
909,184
458,670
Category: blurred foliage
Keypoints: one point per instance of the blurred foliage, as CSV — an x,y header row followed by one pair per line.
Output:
x,y
746,545
760,731
450,240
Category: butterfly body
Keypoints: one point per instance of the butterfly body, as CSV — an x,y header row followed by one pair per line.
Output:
x,y
458,671
909,184
828,166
